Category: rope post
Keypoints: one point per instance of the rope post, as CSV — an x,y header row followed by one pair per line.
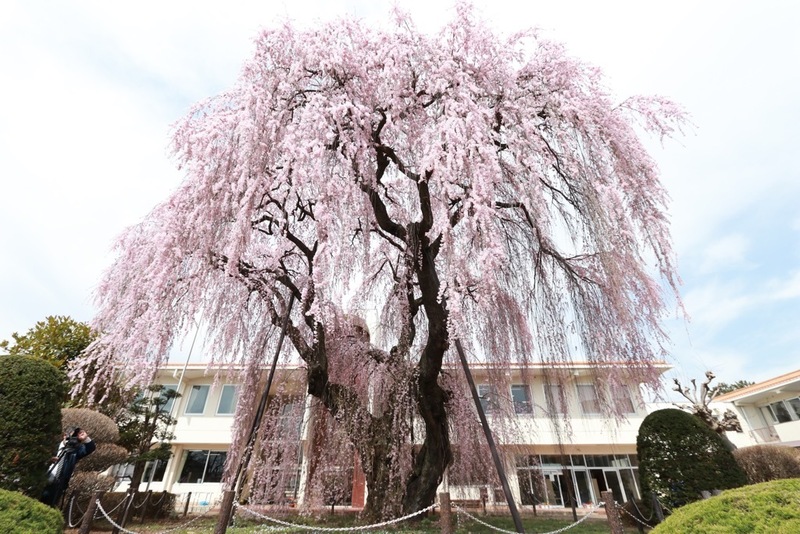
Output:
x,y
657,508
86,522
160,508
225,511
144,505
614,520
445,513
122,517
186,506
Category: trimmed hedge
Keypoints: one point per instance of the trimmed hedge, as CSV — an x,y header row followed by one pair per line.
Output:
x,y
763,463
23,515
101,428
680,457
769,507
31,392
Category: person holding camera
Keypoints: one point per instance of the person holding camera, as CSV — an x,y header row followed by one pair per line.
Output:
x,y
76,445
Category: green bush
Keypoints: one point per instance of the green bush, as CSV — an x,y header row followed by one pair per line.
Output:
x,y
22,515
31,392
763,463
680,457
769,507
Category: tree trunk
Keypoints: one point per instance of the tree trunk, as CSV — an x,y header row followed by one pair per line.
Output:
x,y
377,461
434,456
138,474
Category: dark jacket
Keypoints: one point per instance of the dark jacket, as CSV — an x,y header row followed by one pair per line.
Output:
x,y
61,471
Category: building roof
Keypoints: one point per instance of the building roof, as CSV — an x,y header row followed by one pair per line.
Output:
x,y
773,385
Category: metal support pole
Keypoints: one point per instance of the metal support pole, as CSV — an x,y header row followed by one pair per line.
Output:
x,y
186,506
498,464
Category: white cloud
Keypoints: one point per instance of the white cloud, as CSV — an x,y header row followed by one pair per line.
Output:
x,y
786,289
714,305
725,253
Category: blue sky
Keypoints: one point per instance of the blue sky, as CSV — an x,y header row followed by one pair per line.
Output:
x,y
90,88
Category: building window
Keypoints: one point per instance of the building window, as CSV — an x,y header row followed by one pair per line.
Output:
x,y
622,400
795,406
587,395
554,395
780,414
168,397
158,475
521,396
197,400
203,466
486,392
227,399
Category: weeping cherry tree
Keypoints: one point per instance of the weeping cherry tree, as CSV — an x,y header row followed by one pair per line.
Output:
x,y
464,185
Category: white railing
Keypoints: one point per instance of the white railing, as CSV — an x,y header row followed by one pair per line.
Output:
x,y
766,434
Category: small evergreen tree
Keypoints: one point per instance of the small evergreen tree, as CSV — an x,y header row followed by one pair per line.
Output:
x,y
58,339
680,457
724,387
145,429
31,393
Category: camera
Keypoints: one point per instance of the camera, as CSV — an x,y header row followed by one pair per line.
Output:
x,y
72,438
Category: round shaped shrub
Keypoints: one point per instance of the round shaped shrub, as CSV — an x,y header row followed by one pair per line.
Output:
x,y
680,457
101,428
769,507
106,455
88,482
763,463
23,515
31,392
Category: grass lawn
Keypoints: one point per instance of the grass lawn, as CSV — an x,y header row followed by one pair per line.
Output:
x,y
205,525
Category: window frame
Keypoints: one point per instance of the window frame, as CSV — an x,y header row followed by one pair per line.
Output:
x,y
555,405
622,394
170,404
192,397
583,401
522,407
234,400
488,397
206,462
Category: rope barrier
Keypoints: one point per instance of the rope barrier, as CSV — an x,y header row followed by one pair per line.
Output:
x,y
144,501
461,511
184,525
118,504
113,523
639,510
69,514
332,529
126,531
634,517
